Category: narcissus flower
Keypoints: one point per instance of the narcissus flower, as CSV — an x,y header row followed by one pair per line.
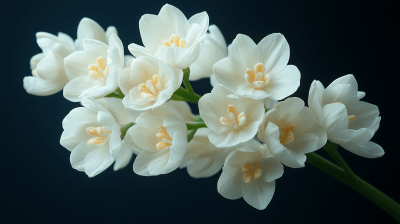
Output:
x,y
93,137
246,173
94,71
214,49
349,122
148,83
160,137
122,116
232,119
89,29
48,73
171,37
258,70
290,130
204,159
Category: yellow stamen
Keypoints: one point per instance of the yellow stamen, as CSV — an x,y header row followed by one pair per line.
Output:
x,y
251,171
351,118
256,76
164,138
234,119
286,134
174,40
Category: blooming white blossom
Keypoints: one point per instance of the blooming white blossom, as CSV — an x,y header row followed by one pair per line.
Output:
x,y
290,130
93,137
148,83
94,71
248,174
349,122
214,49
171,37
232,119
122,116
204,159
160,137
48,73
128,150
258,70
89,29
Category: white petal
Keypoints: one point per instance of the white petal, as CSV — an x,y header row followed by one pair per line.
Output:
x,y
274,52
315,100
76,64
97,161
287,157
142,161
78,155
368,149
284,83
201,19
89,29
335,117
124,156
39,87
258,194
74,89
244,51
175,19
272,169
230,183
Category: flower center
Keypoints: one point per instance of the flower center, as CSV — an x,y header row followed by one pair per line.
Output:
x,y
174,40
251,171
34,73
100,70
164,138
256,77
234,119
150,88
351,117
101,135
286,134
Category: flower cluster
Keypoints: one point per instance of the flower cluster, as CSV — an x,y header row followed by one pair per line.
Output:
x,y
248,126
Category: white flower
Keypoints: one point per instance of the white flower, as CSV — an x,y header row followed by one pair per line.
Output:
x,y
204,159
94,71
160,136
93,137
232,119
171,37
89,29
48,73
258,71
290,130
148,83
349,122
122,116
214,49
247,174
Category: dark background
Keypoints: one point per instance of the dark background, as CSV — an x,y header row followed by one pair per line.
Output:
x,y
328,39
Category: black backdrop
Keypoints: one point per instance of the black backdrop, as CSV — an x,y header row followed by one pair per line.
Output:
x,y
328,39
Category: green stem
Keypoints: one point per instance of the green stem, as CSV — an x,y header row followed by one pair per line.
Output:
x,y
124,129
186,74
353,181
331,149
190,134
191,126
117,94
182,94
